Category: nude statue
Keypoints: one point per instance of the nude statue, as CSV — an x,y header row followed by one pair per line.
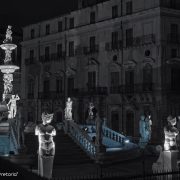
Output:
x,y
45,133
170,133
68,109
12,106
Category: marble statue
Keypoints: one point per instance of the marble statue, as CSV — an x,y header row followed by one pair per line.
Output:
x,y
68,109
168,158
8,35
46,151
7,56
170,133
145,124
8,78
12,107
91,113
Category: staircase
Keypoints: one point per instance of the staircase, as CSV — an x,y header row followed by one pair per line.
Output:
x,y
67,152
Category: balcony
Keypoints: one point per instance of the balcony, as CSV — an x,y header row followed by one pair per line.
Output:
x,y
50,95
91,91
30,61
55,57
131,89
109,46
140,40
173,38
91,50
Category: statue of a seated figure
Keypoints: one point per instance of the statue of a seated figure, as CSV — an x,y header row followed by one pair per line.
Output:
x,y
170,133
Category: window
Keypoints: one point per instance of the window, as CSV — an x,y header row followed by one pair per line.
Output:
x,y
60,26
173,4
47,29
115,83
174,33
92,17
92,43
31,88
147,77
71,23
173,53
59,85
91,79
46,86
31,54
129,81
129,7
114,79
114,40
71,48
129,37
175,78
47,53
70,85
32,33
114,11
59,50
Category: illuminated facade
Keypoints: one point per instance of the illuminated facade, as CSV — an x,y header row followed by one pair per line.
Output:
x,y
118,54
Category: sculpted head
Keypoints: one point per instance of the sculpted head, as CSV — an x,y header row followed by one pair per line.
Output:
x,y
46,118
171,120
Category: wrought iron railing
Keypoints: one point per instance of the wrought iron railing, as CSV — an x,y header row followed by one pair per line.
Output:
x,y
173,38
133,88
90,91
30,61
91,50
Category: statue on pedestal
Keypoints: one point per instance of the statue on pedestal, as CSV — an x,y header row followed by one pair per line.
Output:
x,y
68,109
170,133
12,106
91,114
8,35
145,124
46,152
168,159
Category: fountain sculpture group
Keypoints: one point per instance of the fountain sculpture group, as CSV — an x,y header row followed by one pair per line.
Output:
x,y
8,106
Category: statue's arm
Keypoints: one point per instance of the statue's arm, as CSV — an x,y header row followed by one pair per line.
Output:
x,y
37,130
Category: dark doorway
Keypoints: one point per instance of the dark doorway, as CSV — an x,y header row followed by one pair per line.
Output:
x,y
115,120
129,123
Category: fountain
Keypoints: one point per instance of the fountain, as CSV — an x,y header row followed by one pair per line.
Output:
x,y
8,106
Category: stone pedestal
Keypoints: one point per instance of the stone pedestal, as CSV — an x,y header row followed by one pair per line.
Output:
x,y
45,166
167,162
66,126
100,153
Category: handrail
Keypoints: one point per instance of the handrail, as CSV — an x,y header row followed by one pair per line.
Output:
x,y
82,139
113,135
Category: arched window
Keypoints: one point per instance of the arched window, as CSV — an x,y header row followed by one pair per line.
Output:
x,y
129,123
147,77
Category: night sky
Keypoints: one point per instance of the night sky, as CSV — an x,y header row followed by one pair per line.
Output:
x,y
23,12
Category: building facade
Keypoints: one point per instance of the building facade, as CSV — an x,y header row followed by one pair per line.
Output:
x,y
122,55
